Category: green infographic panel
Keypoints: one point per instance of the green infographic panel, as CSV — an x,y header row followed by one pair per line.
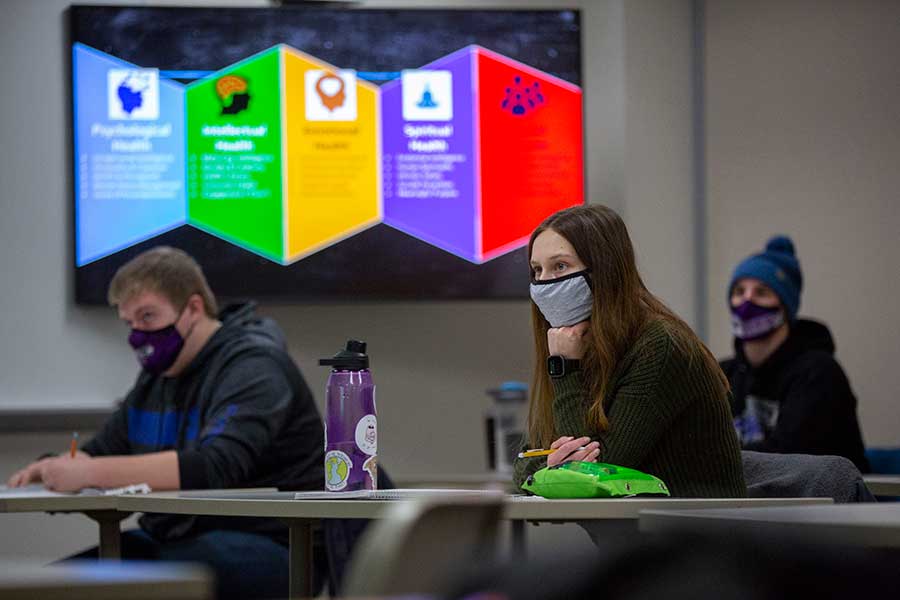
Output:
x,y
234,154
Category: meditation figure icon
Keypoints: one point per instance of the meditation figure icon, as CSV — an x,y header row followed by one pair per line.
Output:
x,y
427,100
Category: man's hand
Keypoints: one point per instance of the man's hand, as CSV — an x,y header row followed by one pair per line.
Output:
x,y
28,475
33,473
66,474
569,342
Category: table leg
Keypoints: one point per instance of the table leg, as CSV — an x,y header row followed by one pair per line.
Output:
x,y
110,535
301,557
518,538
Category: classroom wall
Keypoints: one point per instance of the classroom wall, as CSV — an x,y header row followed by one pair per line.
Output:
x,y
802,138
431,361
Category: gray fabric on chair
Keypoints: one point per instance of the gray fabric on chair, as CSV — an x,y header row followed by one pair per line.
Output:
x,y
770,475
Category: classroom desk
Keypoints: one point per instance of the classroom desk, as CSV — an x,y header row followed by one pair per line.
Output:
x,y
102,509
873,525
883,485
90,580
300,515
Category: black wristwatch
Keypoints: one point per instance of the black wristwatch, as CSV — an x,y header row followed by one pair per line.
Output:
x,y
558,366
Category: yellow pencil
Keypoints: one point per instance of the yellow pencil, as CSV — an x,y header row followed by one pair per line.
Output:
x,y
540,452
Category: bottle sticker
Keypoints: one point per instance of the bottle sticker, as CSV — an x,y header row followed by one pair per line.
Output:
x,y
366,435
337,470
371,467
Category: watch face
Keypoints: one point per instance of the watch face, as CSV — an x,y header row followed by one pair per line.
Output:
x,y
555,366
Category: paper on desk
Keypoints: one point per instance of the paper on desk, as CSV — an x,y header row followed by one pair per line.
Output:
x,y
29,491
39,491
395,494
138,488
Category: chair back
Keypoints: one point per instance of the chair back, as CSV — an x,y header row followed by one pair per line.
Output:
x,y
419,547
771,475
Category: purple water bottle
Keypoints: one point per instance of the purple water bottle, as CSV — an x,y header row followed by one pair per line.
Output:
x,y
351,437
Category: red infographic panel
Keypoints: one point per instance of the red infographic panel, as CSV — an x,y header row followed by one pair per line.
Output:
x,y
530,128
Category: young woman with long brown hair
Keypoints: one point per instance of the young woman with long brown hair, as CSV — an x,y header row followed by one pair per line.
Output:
x,y
618,376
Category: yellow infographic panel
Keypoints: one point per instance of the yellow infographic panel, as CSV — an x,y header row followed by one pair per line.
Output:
x,y
331,163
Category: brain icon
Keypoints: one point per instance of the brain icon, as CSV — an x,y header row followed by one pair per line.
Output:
x,y
230,84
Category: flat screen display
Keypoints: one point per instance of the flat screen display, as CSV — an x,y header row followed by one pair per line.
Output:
x,y
308,154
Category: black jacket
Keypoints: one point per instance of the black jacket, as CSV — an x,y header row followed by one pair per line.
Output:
x,y
240,415
798,401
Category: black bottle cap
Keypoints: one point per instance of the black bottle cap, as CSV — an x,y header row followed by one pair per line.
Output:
x,y
352,358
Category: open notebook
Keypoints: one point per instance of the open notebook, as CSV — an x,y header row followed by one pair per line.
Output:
x,y
396,494
39,491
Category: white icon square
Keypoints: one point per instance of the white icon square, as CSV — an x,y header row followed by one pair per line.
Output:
x,y
132,94
427,95
330,95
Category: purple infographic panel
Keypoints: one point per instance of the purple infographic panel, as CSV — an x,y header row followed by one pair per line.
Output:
x,y
430,153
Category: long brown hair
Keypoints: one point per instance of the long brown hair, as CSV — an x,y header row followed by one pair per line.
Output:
x,y
622,308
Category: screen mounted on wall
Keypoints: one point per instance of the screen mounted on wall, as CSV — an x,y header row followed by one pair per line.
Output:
x,y
313,154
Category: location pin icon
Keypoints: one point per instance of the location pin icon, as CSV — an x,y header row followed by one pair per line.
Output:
x,y
335,100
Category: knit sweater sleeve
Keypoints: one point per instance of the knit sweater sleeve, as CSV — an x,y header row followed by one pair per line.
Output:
x,y
645,400
569,416
650,393
650,396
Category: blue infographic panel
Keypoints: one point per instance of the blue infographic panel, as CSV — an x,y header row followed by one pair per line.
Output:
x,y
129,154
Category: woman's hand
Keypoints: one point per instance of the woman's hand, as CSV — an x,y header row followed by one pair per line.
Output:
x,y
569,342
567,449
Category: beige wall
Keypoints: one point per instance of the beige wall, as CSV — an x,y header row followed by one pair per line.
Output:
x,y
803,115
659,150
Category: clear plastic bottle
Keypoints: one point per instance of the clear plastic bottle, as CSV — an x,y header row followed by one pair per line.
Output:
x,y
505,424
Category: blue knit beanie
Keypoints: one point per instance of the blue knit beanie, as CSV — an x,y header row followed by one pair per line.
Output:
x,y
779,269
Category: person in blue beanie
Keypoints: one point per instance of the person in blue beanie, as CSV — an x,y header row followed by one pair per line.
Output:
x,y
789,394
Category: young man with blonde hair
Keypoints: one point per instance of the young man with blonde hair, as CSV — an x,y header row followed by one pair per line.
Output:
x,y
218,404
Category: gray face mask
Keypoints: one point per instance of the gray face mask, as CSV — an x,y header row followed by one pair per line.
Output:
x,y
564,301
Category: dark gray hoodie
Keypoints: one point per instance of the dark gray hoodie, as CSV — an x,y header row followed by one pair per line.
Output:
x,y
239,415
799,400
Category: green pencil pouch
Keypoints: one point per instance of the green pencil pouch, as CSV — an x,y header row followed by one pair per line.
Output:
x,y
578,479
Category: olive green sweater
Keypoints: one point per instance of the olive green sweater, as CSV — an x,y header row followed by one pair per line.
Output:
x,y
668,416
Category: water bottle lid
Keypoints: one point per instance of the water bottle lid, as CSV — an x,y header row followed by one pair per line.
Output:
x,y
510,391
352,358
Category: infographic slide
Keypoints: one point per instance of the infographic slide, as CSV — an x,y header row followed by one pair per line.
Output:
x,y
468,153
299,159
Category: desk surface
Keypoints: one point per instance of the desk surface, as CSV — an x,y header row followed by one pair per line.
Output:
x,y
282,505
883,485
860,524
39,501
133,580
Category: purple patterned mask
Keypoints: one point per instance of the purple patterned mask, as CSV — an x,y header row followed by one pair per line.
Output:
x,y
156,350
752,322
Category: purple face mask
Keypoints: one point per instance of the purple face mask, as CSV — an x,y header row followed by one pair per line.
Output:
x,y
752,322
156,350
